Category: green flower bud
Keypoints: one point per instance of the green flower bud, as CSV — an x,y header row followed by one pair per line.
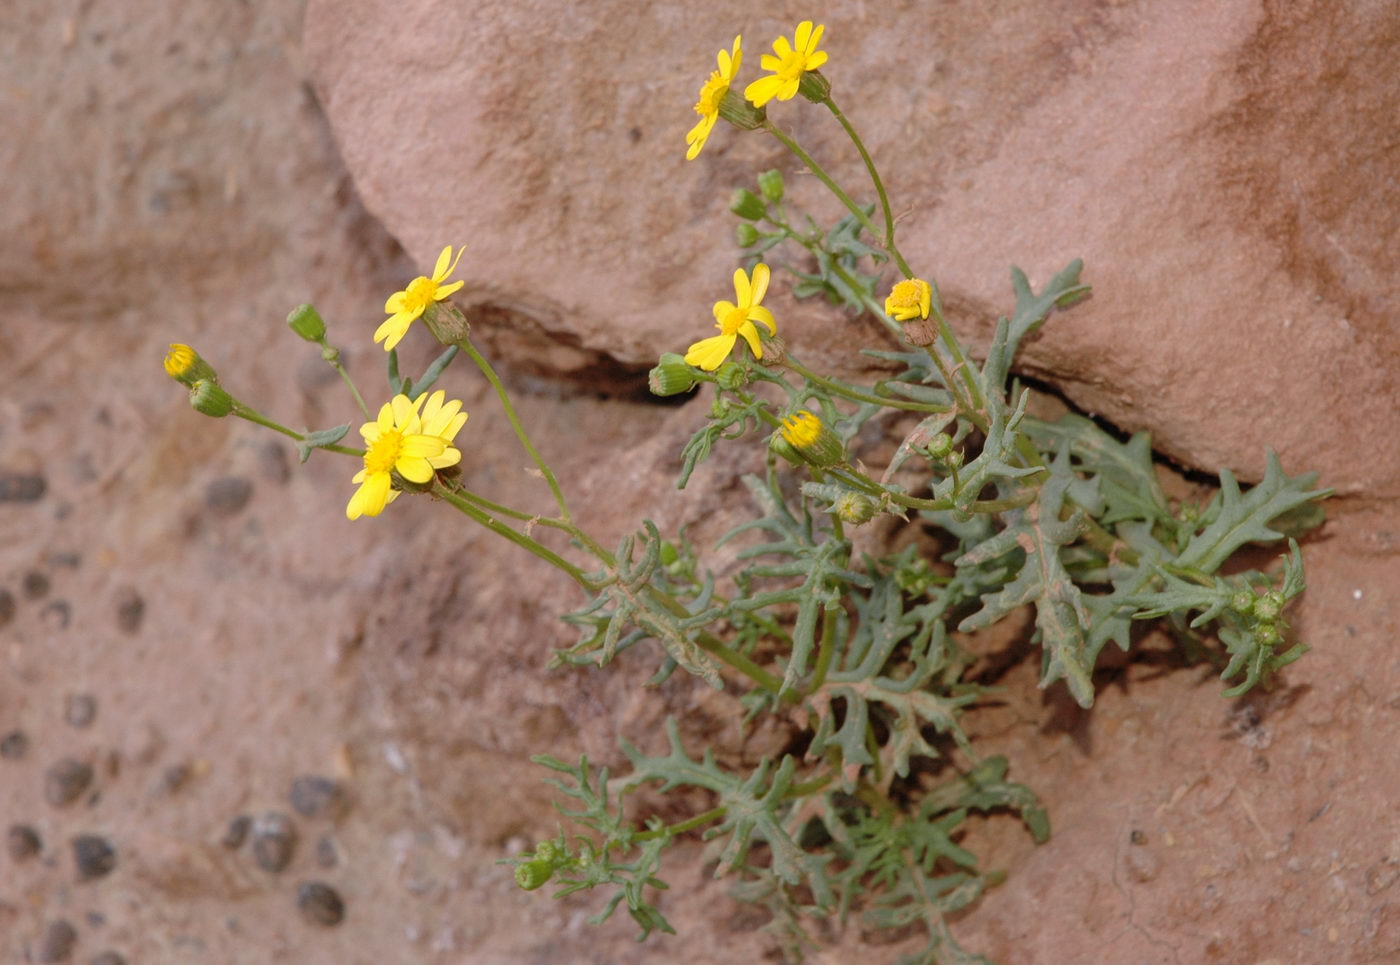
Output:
x,y
940,446
671,376
814,87
533,874
745,234
954,459
781,447
817,444
306,322
855,508
732,375
184,365
739,112
719,409
748,205
447,323
207,397
1269,606
771,184
1268,635
1243,602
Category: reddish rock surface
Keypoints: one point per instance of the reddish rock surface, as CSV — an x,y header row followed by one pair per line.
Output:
x,y
172,177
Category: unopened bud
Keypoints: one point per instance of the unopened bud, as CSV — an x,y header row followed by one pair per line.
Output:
x,y
814,87
1269,606
771,184
855,508
817,444
307,322
745,234
719,409
748,205
671,376
1243,602
184,365
533,874
447,323
940,446
774,348
732,375
208,398
1268,635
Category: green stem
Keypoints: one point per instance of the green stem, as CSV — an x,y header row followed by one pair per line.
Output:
x,y
332,356
680,827
857,395
824,655
254,416
519,539
879,185
466,346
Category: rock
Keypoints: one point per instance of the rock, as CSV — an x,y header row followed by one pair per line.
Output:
x,y
36,584
22,842
66,781
56,943
80,710
7,606
228,495
1225,171
172,779
14,745
274,840
320,904
313,796
19,487
236,832
130,609
93,856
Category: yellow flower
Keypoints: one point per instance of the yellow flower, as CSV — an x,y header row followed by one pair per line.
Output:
x,y
791,62
735,319
801,429
910,298
404,440
711,93
184,365
408,304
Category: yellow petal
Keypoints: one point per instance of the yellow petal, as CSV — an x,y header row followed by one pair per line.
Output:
x,y
751,336
449,457
802,36
404,411
788,88
414,468
370,498
359,477
742,289
392,328
760,314
782,48
442,269
761,276
421,446
698,135
370,432
454,427
769,62
736,59
708,353
816,60
395,303
722,309
446,290
386,417
763,90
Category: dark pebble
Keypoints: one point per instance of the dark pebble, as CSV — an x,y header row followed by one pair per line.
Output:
x,y
66,781
173,778
130,609
1138,837
80,710
313,796
14,745
107,958
236,833
22,842
228,495
7,607
93,856
327,854
56,943
21,487
36,584
320,904
274,839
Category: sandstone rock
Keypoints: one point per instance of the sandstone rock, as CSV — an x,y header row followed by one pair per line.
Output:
x,y
1224,169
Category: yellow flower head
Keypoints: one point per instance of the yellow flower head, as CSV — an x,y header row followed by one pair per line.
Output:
x,y
184,365
734,319
910,298
711,94
408,304
413,443
801,429
791,62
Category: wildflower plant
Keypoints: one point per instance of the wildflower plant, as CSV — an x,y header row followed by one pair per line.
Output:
x,y
862,815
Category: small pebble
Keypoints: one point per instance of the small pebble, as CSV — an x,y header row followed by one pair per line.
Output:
x,y
56,615
236,832
107,958
22,842
7,607
66,781
274,839
313,796
36,584
327,854
21,487
1138,837
130,609
93,856
320,904
56,943
228,495
173,778
14,745
80,710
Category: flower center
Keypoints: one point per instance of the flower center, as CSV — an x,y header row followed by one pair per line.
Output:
x,y
384,453
729,325
420,292
906,294
711,94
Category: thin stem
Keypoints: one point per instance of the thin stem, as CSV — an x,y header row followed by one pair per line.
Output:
x,y
824,655
680,827
857,395
332,356
519,539
875,178
466,346
254,416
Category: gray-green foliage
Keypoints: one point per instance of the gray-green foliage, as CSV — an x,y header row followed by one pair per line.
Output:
x,y
864,813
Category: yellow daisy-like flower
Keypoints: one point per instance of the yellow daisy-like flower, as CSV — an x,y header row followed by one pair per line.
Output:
x,y
801,429
711,94
792,61
408,304
734,319
413,443
910,298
